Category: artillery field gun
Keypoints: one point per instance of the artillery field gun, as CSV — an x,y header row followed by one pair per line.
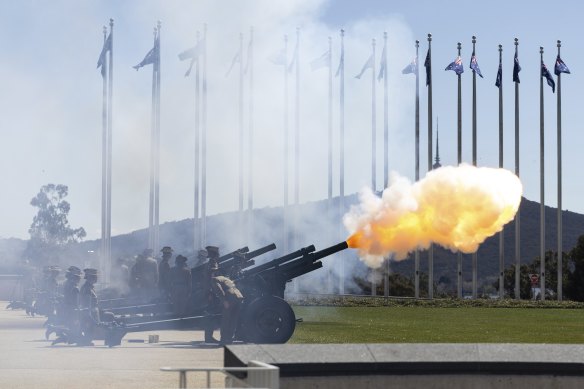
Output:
x,y
265,316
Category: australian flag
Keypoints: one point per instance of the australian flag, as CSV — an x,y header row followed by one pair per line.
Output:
x,y
550,80
560,67
516,68
107,46
412,68
456,66
152,57
474,65
428,66
499,76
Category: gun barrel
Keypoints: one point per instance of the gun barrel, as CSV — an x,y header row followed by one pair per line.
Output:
x,y
225,257
260,251
278,261
330,250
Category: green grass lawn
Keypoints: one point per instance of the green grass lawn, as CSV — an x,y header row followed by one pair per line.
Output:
x,y
437,325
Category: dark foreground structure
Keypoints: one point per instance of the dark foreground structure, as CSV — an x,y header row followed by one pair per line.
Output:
x,y
373,366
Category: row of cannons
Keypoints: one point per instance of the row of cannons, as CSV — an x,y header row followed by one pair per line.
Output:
x,y
262,317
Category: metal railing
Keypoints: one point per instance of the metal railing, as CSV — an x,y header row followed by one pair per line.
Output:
x,y
259,375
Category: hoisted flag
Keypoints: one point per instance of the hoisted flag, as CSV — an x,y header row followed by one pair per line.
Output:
x,y
560,67
428,66
474,65
411,68
516,68
382,65
499,76
550,80
456,65
152,57
368,64
107,46
193,53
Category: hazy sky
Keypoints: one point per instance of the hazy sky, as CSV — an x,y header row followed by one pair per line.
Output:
x,y
51,98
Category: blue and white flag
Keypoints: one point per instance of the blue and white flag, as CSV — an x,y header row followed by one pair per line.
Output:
x,y
474,65
550,80
516,68
368,64
456,65
428,66
560,67
499,76
152,57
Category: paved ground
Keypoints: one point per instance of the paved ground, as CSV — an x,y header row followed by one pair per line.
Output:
x,y
27,360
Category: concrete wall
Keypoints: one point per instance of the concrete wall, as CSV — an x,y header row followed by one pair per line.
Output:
x,y
434,382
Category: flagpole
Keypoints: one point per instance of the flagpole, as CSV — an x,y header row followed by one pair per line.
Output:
x,y
250,139
518,214
196,231
385,146
502,233
204,143
157,182
431,248
104,145
559,141
459,159
373,120
330,146
109,157
541,182
286,146
330,123
417,136
342,151
474,162
373,139
241,141
296,144
152,157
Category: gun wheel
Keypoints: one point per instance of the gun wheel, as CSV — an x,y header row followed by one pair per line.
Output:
x,y
268,320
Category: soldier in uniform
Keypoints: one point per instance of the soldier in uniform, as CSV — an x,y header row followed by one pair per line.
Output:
x,y
164,273
68,331
212,268
180,285
88,303
231,298
70,301
144,275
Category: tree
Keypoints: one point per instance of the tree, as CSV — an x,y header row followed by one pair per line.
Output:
x,y
575,286
50,231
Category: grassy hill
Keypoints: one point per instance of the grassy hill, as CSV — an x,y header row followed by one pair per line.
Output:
x,y
321,225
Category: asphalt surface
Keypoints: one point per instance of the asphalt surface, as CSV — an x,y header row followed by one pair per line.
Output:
x,y
27,359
